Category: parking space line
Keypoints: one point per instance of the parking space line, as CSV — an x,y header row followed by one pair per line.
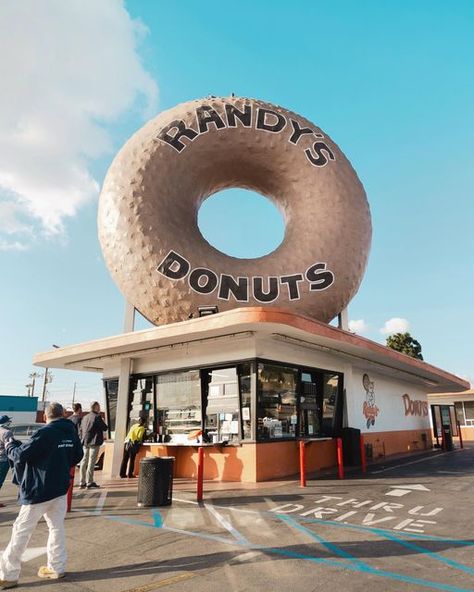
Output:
x,y
226,524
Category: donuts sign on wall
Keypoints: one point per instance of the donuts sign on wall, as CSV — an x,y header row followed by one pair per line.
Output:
x,y
154,188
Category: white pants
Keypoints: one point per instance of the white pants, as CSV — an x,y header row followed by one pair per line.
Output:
x,y
54,512
86,470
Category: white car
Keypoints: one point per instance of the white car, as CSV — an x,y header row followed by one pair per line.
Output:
x,y
24,431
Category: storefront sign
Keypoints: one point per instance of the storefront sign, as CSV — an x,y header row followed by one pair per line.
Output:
x,y
415,407
179,135
263,289
148,212
369,408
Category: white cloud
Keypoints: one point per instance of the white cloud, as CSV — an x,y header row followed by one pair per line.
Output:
x,y
12,245
395,325
69,68
359,326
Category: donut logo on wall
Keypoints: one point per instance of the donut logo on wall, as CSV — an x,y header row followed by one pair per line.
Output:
x,y
157,182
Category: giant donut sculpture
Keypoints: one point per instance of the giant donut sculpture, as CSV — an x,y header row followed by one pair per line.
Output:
x,y
153,190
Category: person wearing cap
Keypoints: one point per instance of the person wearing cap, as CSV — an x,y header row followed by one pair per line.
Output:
x,y
41,469
5,434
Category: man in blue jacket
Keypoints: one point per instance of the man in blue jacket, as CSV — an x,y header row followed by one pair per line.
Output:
x,y
41,469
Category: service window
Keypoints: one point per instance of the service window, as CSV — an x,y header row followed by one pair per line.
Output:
x,y
276,401
141,401
178,398
310,406
330,394
221,400
245,385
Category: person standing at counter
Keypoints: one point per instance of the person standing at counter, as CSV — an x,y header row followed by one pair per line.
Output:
x,y
92,436
133,442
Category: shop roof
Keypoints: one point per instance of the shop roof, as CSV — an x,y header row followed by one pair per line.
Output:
x,y
93,355
460,395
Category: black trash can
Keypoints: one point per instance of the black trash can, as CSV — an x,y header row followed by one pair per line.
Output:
x,y
351,446
155,481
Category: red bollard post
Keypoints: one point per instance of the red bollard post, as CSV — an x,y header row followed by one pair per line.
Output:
x,y
72,472
302,464
460,435
340,461
200,476
363,460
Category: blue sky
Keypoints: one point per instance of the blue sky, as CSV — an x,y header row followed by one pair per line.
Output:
x,y
391,83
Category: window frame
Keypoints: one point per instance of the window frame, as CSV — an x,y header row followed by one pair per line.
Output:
x,y
254,398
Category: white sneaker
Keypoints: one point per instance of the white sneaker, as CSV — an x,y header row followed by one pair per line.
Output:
x,y
49,574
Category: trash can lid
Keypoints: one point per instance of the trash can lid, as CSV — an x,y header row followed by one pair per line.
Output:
x,y
156,459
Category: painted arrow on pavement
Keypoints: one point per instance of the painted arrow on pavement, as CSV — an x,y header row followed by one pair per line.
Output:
x,y
400,490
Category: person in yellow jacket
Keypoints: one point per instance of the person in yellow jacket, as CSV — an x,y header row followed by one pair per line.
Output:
x,y
134,440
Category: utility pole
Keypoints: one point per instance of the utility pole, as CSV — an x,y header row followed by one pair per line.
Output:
x,y
47,379
33,376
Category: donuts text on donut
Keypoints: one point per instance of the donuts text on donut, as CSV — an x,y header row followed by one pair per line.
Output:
x,y
179,135
263,289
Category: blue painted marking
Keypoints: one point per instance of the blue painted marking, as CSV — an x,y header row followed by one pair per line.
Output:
x,y
330,546
287,553
376,572
157,518
432,554
421,537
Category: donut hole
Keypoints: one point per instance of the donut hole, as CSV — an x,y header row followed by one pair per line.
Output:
x,y
241,223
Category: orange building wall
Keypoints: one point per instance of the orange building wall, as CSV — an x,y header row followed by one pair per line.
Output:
x,y
467,433
252,462
281,459
397,442
248,463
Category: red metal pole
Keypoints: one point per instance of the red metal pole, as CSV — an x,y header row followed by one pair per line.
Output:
x,y
363,460
200,475
340,461
460,435
72,472
302,464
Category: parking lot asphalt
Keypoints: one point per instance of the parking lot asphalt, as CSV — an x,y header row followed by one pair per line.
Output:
x,y
407,525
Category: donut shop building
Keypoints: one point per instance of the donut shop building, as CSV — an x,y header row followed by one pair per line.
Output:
x,y
265,369
250,384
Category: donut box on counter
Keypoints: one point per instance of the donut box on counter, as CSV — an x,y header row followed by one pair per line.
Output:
x,y
241,359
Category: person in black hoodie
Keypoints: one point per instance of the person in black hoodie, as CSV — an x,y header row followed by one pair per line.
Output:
x,y
41,469
92,436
